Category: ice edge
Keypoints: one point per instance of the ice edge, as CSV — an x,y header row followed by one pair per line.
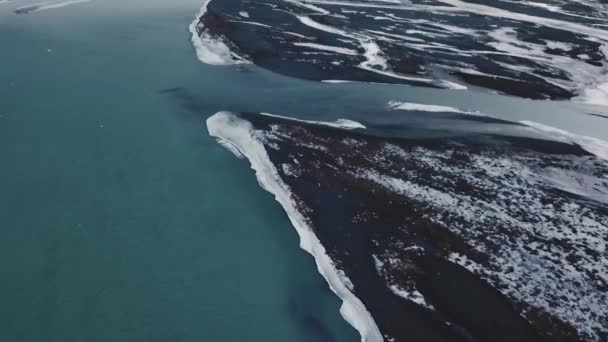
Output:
x,y
209,50
238,132
595,146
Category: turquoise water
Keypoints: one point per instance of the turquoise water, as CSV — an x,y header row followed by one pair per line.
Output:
x,y
121,220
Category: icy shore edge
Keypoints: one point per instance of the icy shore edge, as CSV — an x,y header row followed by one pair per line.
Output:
x,y
208,49
595,146
228,128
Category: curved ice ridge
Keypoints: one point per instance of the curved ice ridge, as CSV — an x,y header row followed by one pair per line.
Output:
x,y
592,145
410,106
239,133
211,50
340,123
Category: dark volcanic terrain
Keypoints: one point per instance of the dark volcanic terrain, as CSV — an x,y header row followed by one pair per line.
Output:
x,y
538,50
472,238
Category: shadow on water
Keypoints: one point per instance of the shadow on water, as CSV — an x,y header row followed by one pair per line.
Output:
x,y
192,105
307,322
598,115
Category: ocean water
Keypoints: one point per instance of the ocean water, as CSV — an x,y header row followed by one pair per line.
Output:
x,y
122,220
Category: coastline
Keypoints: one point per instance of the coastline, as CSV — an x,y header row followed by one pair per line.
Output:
x,y
209,50
354,202
225,38
240,136
227,127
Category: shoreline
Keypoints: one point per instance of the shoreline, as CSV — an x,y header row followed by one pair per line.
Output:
x,y
342,193
208,50
239,136
369,57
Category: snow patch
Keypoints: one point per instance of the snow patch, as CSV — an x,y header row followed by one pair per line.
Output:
x,y
336,49
422,107
395,105
411,295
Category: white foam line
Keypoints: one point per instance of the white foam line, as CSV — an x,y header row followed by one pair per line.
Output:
x,y
62,4
340,123
209,50
592,145
240,133
47,5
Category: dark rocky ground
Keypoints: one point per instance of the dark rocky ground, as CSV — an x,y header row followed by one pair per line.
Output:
x,y
422,43
484,238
